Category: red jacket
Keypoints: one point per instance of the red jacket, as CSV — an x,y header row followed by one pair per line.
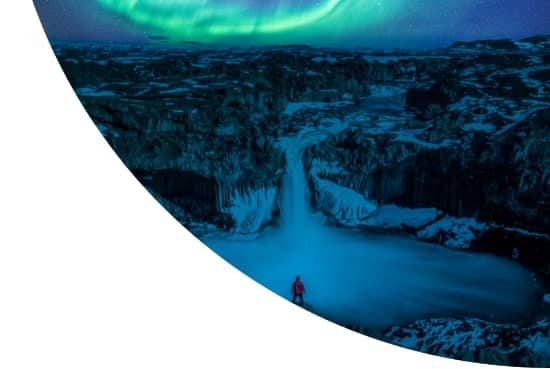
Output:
x,y
298,287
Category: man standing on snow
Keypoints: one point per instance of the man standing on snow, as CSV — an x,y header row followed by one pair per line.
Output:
x,y
298,291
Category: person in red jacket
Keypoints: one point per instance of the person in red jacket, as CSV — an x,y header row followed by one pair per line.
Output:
x,y
298,291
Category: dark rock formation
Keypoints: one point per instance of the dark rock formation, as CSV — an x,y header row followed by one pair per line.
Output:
x,y
442,93
501,179
489,44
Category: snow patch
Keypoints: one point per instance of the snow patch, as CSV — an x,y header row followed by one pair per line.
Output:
x,y
404,136
294,107
92,92
386,91
176,90
349,207
479,127
452,232
395,217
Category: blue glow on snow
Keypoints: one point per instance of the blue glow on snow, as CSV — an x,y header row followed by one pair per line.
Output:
x,y
373,280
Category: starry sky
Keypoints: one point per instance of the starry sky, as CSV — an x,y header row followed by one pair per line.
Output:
x,y
340,23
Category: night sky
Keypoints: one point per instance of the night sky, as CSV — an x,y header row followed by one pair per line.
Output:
x,y
342,23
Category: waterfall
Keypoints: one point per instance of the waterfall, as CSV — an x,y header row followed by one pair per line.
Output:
x,y
297,218
295,212
252,208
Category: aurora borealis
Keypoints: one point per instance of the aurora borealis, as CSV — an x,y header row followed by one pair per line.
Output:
x,y
391,23
214,20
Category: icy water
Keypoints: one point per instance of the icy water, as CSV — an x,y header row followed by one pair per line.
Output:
x,y
372,280
376,281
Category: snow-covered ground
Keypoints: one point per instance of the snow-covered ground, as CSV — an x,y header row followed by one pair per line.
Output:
x,y
475,339
395,217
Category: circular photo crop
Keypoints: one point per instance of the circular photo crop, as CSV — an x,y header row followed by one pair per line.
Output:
x,y
382,164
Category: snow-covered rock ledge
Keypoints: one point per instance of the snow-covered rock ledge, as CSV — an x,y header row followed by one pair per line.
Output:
x,y
477,340
395,218
349,208
452,232
345,206
427,224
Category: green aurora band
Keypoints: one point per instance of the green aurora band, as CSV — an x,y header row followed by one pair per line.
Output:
x,y
215,21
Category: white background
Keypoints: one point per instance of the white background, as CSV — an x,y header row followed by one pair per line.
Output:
x,y
95,274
